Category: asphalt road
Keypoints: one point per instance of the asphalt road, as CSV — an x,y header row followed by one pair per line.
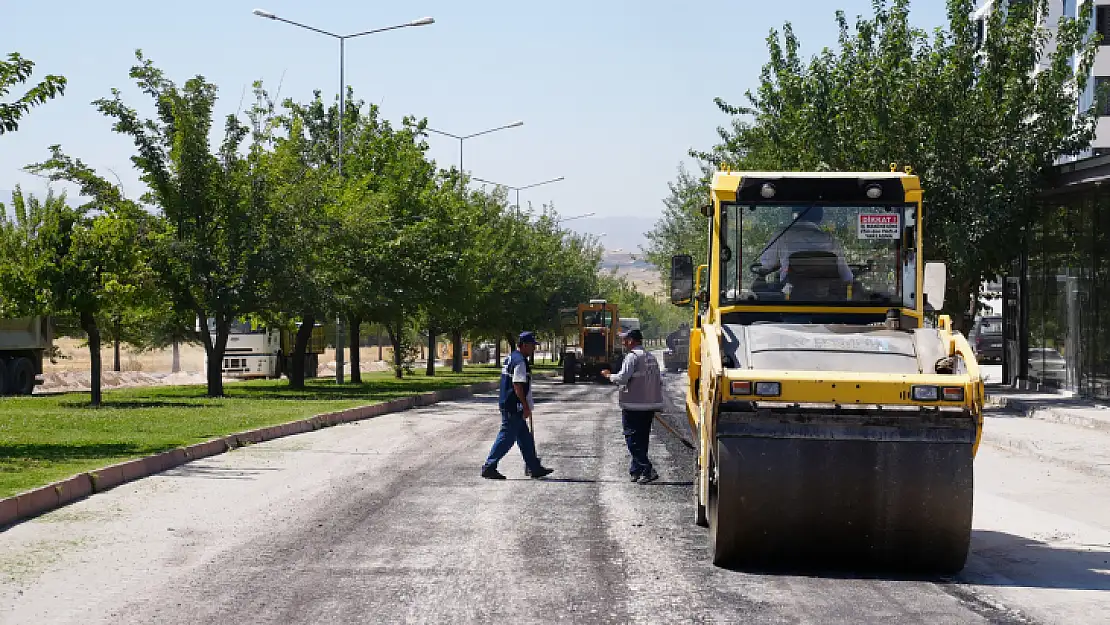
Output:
x,y
387,521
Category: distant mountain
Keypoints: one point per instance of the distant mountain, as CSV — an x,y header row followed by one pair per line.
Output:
x,y
622,233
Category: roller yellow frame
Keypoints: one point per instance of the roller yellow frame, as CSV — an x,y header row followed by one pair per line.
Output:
x,y
789,382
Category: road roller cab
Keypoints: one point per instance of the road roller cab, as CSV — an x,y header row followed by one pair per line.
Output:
x,y
833,426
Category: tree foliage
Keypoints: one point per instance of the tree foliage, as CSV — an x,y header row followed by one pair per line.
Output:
x,y
980,122
17,70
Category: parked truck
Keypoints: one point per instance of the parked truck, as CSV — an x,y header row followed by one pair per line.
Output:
x,y
24,343
256,350
831,424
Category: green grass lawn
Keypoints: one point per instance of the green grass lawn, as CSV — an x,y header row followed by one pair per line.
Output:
x,y
48,438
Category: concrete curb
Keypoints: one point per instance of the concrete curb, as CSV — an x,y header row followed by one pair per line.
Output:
x,y
1030,449
1051,414
33,503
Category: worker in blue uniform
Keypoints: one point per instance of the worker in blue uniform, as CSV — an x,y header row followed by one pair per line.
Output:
x,y
516,403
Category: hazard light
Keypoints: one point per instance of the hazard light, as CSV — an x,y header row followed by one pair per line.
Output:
x,y
741,388
953,393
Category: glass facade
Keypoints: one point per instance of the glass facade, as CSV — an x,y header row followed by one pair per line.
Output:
x,y
1066,284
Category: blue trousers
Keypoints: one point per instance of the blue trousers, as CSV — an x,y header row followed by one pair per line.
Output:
x,y
514,429
637,432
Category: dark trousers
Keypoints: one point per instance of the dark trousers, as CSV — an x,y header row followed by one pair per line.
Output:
x,y
514,429
637,432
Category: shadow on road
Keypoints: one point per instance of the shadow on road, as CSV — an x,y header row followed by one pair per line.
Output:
x,y
996,559
578,480
1001,559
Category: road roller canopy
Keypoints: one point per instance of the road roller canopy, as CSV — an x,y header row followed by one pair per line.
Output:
x,y
832,241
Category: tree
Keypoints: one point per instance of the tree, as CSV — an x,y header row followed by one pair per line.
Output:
x,y
295,233
384,259
976,122
17,70
206,253
81,261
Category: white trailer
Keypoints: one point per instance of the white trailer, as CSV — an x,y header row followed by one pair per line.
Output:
x,y
24,343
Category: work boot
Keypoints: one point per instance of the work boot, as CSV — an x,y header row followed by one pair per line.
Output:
x,y
541,472
491,473
649,477
528,471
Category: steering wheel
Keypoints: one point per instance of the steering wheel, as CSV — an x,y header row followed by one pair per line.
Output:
x,y
757,269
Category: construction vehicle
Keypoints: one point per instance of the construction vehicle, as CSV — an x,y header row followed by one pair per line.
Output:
x,y
832,425
593,346
256,350
677,353
24,343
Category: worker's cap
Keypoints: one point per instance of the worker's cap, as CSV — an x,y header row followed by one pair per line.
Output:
x,y
527,337
635,335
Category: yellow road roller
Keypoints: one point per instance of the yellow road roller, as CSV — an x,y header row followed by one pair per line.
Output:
x,y
836,424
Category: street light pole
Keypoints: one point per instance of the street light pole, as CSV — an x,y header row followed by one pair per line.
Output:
x,y
340,336
529,186
462,138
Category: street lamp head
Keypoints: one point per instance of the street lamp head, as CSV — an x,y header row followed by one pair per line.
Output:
x,y
424,21
515,124
264,13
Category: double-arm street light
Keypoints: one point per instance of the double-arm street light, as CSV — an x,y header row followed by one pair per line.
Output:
x,y
461,138
530,186
424,21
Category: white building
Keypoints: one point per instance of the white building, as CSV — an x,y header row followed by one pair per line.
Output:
x,y
1100,72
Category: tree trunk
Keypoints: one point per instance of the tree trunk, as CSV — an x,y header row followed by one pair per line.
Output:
x,y
497,353
115,354
88,324
214,349
457,349
176,366
431,370
398,362
300,346
380,339
353,325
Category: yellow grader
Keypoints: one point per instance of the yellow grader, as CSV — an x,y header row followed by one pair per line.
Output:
x,y
832,424
593,345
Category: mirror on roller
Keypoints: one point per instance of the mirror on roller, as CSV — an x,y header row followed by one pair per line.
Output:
x,y
936,279
682,279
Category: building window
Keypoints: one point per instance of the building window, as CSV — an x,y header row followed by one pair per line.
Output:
x,y
980,32
1102,96
1102,23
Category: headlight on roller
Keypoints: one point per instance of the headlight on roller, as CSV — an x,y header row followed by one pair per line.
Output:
x,y
925,393
768,389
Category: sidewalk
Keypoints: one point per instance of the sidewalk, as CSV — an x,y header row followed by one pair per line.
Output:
x,y
1056,408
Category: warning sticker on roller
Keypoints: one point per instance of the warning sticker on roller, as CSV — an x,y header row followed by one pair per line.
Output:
x,y
879,227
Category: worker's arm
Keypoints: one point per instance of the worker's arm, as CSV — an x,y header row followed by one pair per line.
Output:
x,y
520,377
842,265
523,397
770,257
627,367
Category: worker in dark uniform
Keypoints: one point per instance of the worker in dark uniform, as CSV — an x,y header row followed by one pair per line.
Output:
x,y
515,401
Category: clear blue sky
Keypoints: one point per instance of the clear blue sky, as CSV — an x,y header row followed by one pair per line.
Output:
x,y
612,94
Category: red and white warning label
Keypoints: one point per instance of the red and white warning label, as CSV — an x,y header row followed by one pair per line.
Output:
x,y
882,226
